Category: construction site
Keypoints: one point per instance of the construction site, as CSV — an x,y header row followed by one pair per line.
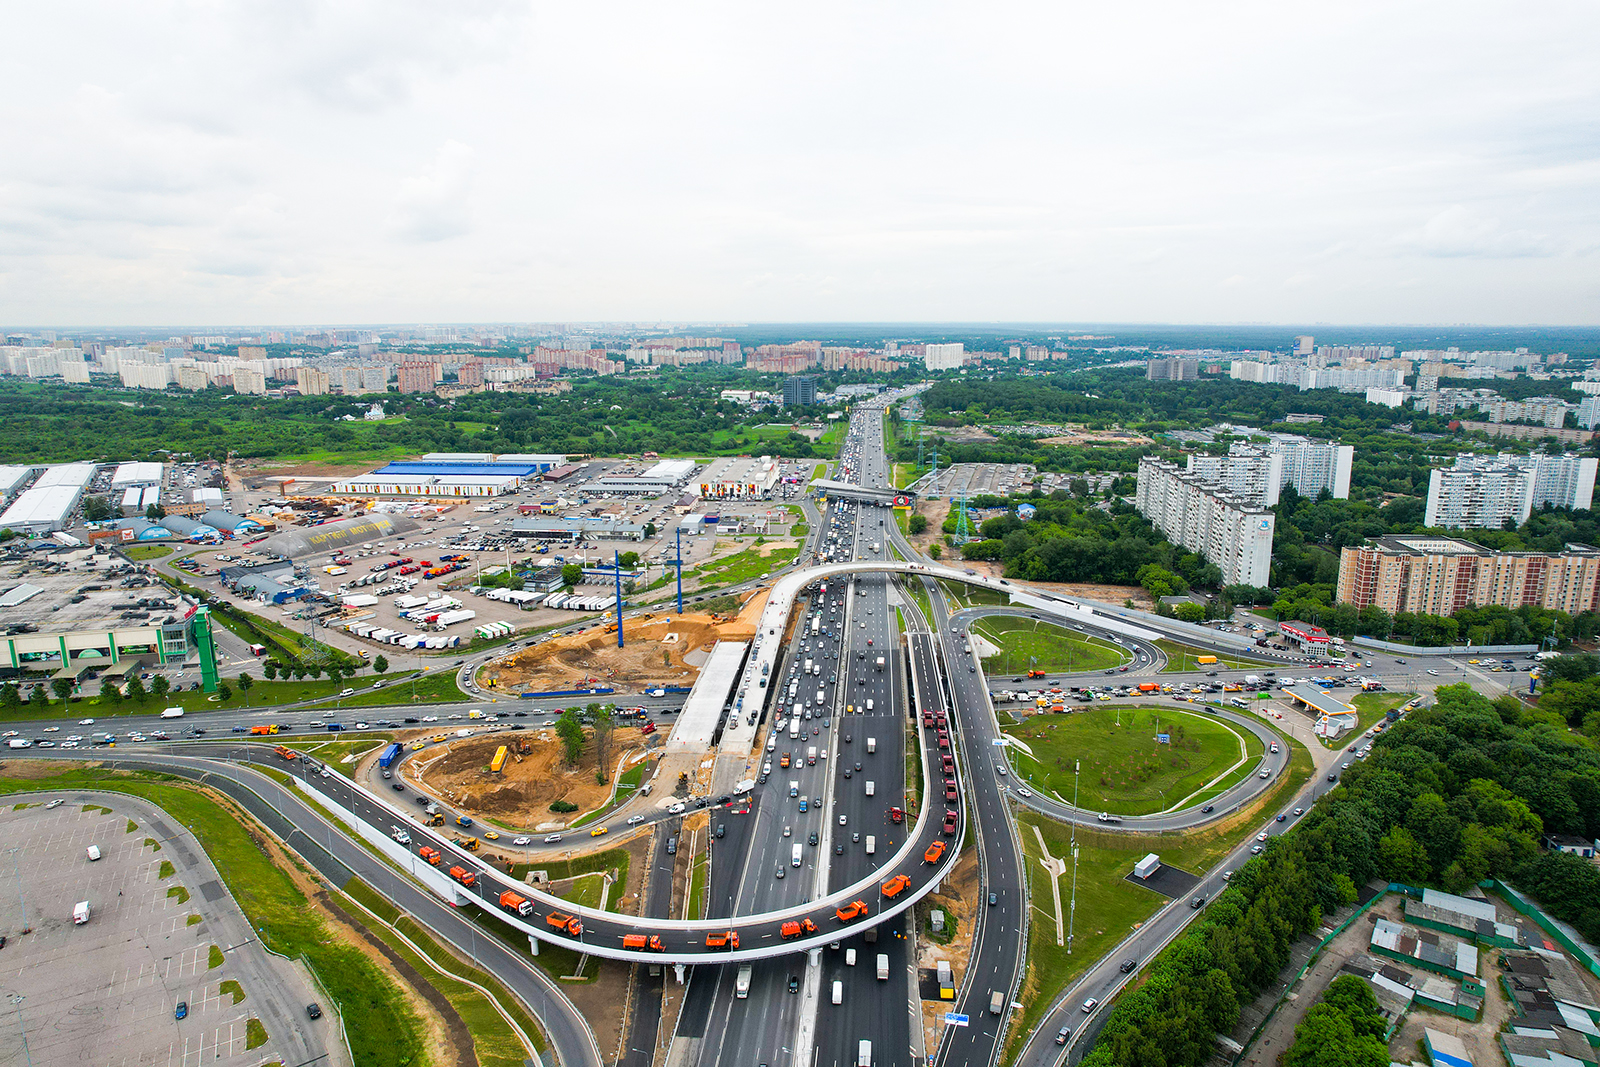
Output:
x,y
532,775
660,649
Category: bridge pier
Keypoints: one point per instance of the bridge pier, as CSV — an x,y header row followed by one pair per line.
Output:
x,y
813,956
533,944
678,972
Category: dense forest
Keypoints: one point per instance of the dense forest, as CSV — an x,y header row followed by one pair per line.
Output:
x,y
1453,794
674,413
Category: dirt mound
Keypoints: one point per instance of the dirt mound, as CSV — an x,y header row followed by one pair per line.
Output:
x,y
533,778
654,653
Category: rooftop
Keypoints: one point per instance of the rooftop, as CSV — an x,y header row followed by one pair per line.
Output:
x,y
51,600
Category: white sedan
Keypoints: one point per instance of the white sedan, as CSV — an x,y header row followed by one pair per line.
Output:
x,y
430,718
635,820
85,722
523,841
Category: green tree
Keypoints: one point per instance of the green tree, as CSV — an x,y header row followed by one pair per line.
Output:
x,y
10,699
1189,612
604,723
628,560
245,682
935,550
110,693
160,687
570,732
135,689
62,688
96,509
270,669
155,513
917,523
1402,857
571,575
224,692
37,697
380,664
649,529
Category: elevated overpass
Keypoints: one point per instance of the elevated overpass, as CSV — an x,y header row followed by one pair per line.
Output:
x,y
859,494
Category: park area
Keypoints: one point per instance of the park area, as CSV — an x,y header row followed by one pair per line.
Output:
x,y
1126,769
1029,644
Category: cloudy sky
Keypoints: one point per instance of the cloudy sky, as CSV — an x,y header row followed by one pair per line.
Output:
x,y
281,161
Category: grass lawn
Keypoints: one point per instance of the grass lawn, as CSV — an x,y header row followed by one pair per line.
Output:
x,y
1370,708
585,891
919,593
904,474
971,596
1108,906
902,519
743,566
1181,657
697,885
333,752
1031,643
1124,769
381,1028
493,1041
435,687
139,553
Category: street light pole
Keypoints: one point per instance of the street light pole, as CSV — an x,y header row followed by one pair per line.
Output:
x,y
1072,911
17,998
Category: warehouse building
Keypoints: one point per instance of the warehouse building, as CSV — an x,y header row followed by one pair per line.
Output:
x,y
64,628
552,529
141,530
13,477
742,478
342,534
136,475
46,506
663,477
429,485
229,523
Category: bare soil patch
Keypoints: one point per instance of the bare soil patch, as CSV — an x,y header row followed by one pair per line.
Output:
x,y
532,779
957,898
653,654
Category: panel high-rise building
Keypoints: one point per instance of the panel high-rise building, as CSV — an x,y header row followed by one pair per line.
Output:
x,y
1231,532
1490,491
1258,472
1176,369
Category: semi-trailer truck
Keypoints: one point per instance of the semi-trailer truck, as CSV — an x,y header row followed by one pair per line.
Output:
x,y
387,757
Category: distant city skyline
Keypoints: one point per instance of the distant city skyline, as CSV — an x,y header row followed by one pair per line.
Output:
x,y
500,162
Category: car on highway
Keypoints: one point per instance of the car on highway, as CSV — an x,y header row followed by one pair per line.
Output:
x,y
1062,1035
1089,1005
492,835
523,841
635,820
1256,850
552,839
1262,836
1208,809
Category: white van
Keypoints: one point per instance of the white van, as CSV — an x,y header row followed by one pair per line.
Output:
x,y
849,957
794,860
838,991
872,844
94,852
864,1054
869,703
872,787
80,913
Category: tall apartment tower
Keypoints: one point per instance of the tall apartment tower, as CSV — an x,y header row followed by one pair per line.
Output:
x,y
1229,531
1489,491
1258,472
1176,369
799,391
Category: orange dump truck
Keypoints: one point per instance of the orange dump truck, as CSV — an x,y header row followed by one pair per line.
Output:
x,y
792,930
567,924
896,885
1148,687
516,904
728,940
935,850
648,942
851,911
464,876
286,753
429,854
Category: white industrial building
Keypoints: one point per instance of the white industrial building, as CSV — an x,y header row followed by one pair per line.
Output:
x,y
738,479
1257,472
136,474
1487,491
11,477
447,485
663,477
46,506
1233,533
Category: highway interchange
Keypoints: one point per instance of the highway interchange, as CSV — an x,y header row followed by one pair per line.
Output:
x,y
786,1017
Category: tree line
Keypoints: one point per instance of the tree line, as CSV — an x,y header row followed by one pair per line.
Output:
x,y
1452,794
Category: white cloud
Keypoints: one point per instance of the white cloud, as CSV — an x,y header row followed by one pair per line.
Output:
x,y
390,160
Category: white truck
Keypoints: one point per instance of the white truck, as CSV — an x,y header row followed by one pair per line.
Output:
x,y
172,713
741,984
80,913
883,967
864,1054
808,667
794,859
879,664
872,745
1251,679
811,756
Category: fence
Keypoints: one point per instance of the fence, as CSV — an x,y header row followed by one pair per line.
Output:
x,y
1443,650
1557,933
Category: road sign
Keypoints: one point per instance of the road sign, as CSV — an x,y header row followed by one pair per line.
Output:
x,y
998,742
1163,739
953,1019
